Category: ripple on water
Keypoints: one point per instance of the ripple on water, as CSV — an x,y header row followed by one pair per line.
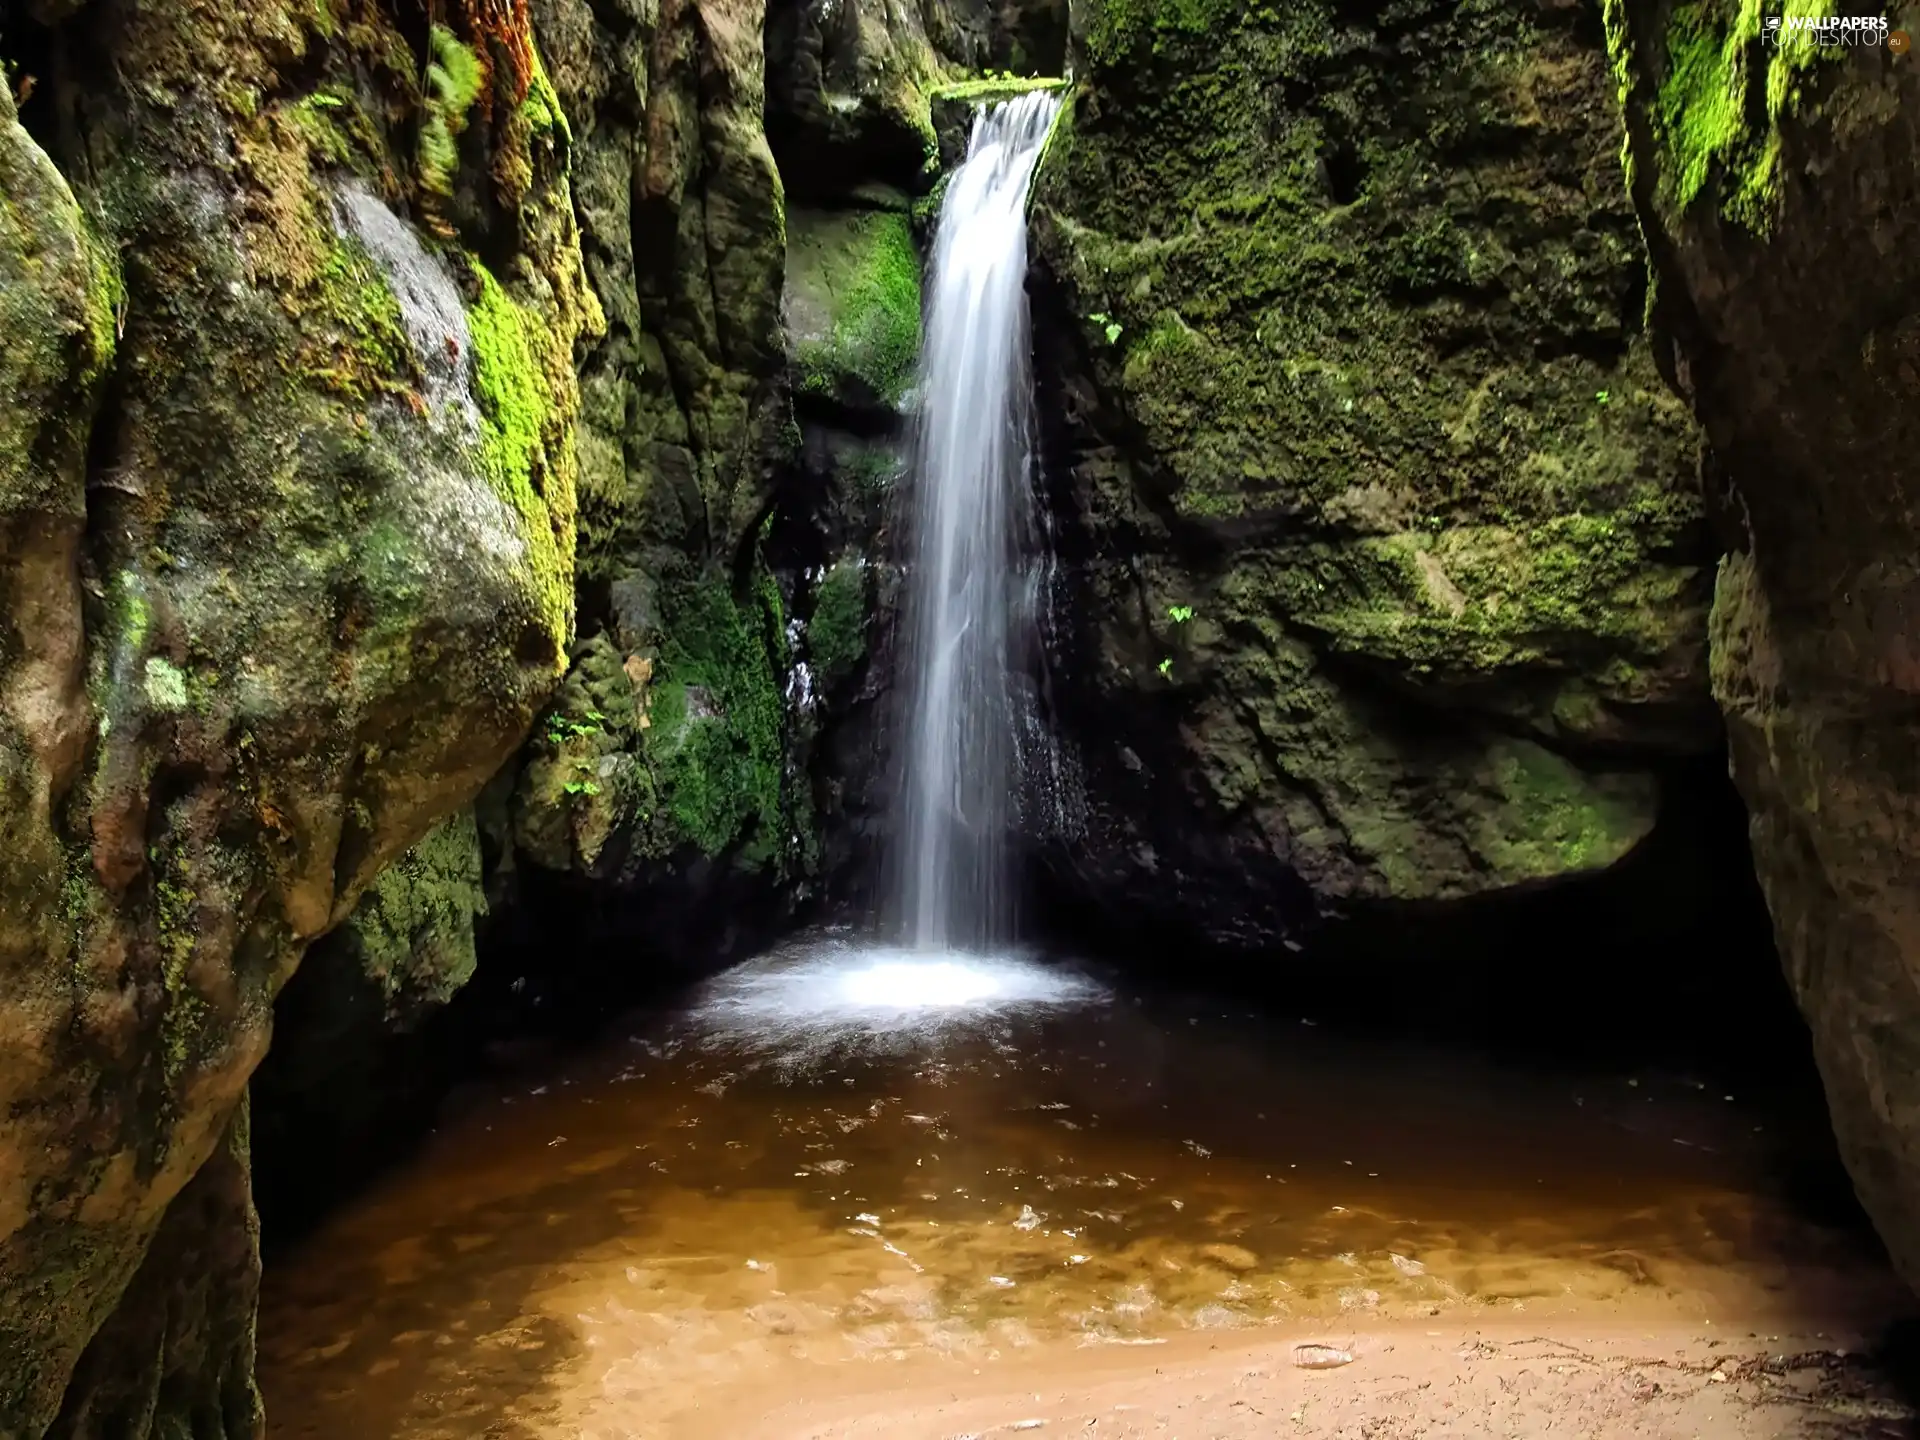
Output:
x,y
842,1152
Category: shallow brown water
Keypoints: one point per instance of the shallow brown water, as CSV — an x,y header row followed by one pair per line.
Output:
x,y
796,1170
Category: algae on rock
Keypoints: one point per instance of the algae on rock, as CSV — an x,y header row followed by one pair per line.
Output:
x,y
323,587
1343,322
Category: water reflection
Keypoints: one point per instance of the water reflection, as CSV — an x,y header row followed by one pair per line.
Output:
x,y
837,1153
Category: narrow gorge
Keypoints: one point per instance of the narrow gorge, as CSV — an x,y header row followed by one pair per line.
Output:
x,y
791,717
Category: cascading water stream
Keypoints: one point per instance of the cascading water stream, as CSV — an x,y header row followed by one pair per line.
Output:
x,y
971,527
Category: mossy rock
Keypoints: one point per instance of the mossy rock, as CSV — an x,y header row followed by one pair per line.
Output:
x,y
677,748
1342,324
954,105
329,546
1778,191
853,307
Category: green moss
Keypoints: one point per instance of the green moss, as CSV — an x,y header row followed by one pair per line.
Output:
x,y
517,412
133,613
1723,95
542,109
166,687
454,78
357,337
176,928
855,294
412,933
1571,821
717,714
1120,27
1341,357
986,91
326,121
837,633
106,303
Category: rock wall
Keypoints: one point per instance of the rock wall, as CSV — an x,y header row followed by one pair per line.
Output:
x,y
1780,192
707,767
1383,567
286,549
659,781
355,1070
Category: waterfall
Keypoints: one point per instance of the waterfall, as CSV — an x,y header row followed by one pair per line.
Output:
x,y
970,531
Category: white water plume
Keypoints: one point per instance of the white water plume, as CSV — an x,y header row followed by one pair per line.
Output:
x,y
972,529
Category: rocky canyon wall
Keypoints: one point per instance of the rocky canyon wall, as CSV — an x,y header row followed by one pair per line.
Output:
x,y
1780,191
286,542
446,480
1384,571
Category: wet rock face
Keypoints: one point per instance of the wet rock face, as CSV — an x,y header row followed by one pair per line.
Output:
x,y
1788,281
1383,571
848,80
740,424
286,554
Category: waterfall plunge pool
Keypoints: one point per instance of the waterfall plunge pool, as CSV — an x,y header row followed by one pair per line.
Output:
x,y
838,1156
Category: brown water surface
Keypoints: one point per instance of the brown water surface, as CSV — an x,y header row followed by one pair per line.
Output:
x,y
836,1156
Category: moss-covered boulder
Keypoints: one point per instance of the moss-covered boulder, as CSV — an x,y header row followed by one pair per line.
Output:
x,y
319,585
1778,187
853,306
1387,573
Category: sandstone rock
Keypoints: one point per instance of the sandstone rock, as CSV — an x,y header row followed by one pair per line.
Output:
x,y
1780,193
1384,569
324,583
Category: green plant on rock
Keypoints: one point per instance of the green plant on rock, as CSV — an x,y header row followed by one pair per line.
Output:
x,y
561,728
1722,99
837,634
717,738
1180,614
873,272
452,83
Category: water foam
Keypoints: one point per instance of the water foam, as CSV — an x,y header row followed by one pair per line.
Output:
x,y
824,994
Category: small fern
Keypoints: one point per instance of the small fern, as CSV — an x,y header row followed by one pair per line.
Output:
x,y
453,82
